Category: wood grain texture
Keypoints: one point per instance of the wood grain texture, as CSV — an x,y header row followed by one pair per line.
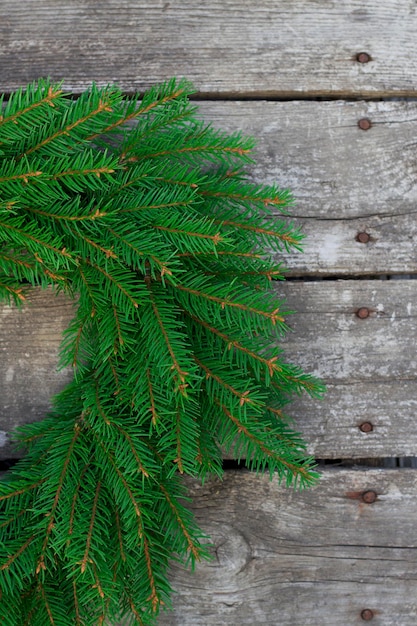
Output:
x,y
331,341
29,346
344,180
332,426
335,170
317,557
224,46
370,365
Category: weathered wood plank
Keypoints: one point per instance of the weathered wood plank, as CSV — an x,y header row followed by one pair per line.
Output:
x,y
344,180
29,346
330,340
224,46
369,364
317,557
333,247
360,420
334,169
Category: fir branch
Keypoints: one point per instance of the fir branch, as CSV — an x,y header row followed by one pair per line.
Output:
x,y
296,472
248,255
41,561
227,302
14,556
16,293
155,416
13,518
74,502
119,535
191,546
216,239
154,597
24,489
158,235
51,95
68,218
270,363
76,603
24,177
244,397
145,108
128,490
90,530
201,149
140,253
25,236
97,171
103,105
112,279
141,468
288,237
175,362
48,609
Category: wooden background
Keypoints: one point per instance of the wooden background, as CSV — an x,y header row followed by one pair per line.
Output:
x,y
289,73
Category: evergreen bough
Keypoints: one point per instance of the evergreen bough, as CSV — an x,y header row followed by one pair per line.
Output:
x,y
144,216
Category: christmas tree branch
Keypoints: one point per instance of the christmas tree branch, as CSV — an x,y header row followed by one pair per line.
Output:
x,y
144,216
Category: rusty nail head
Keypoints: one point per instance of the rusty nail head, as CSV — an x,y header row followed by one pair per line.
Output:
x,y
363,237
362,313
369,497
363,57
364,124
367,615
366,427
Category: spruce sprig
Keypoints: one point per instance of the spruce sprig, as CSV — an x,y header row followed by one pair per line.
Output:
x,y
144,215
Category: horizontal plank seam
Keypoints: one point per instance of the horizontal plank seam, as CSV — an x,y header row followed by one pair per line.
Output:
x,y
303,97
294,275
328,464
255,96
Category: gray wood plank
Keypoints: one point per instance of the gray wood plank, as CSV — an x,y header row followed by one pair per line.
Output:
x,y
334,169
360,420
224,46
29,346
332,246
283,558
331,341
344,180
370,365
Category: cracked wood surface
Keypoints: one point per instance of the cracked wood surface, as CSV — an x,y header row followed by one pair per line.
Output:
x,y
228,47
369,365
321,556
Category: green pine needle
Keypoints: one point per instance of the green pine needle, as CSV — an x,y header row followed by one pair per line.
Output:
x,y
142,214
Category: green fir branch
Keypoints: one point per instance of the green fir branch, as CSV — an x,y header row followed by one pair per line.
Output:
x,y
144,216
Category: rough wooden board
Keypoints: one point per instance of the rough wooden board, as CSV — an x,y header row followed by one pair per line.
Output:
x,y
332,247
344,180
332,342
331,426
284,558
29,345
224,46
370,365
334,169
